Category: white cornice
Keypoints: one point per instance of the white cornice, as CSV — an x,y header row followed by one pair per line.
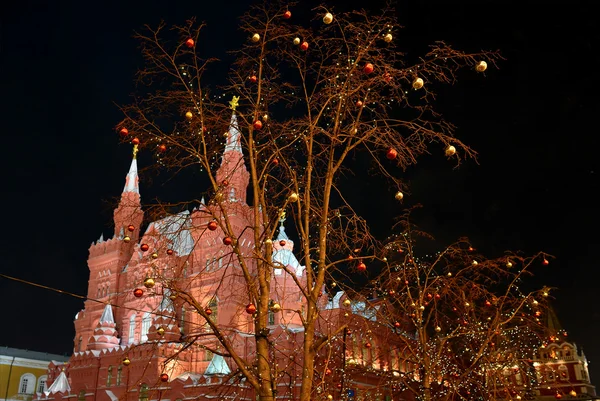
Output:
x,y
23,362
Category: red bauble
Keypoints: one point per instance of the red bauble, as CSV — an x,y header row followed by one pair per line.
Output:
x,y
208,311
275,161
169,252
189,43
387,77
327,372
304,46
287,15
164,377
253,79
488,303
545,262
144,247
368,68
397,325
138,292
339,385
359,103
392,292
391,154
124,132
250,309
212,225
135,141
437,296
348,331
361,267
131,227
558,396
225,183
162,148
257,125
368,345
227,241
282,242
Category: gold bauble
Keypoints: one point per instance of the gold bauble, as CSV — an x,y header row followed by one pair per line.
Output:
x,y
189,115
347,302
160,331
450,151
328,18
346,314
149,282
154,255
399,195
127,238
388,38
418,83
275,307
329,397
255,37
126,361
265,118
268,242
438,329
509,264
296,41
481,67
173,296
293,197
475,263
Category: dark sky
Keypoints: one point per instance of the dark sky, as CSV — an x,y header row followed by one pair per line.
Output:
x,y
64,65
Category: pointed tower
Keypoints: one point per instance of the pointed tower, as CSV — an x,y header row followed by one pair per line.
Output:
x,y
105,334
232,175
129,212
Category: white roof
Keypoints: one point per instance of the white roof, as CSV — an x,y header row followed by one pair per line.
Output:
x,y
131,181
107,315
234,136
60,385
217,366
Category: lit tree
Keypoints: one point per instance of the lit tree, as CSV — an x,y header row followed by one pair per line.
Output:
x,y
306,101
458,325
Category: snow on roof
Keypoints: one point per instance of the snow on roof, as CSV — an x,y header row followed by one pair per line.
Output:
x,y
107,315
286,257
282,234
335,301
176,229
234,137
131,181
217,366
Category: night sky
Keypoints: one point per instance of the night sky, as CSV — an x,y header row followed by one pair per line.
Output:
x,y
534,122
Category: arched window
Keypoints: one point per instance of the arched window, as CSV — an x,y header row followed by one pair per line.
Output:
x,y
132,329
109,376
81,396
79,341
119,374
563,373
42,384
146,323
214,307
182,320
143,392
27,384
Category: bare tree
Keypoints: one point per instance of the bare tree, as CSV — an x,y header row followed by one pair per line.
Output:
x,y
307,99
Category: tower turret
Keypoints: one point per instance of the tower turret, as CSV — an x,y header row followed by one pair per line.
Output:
x,y
129,213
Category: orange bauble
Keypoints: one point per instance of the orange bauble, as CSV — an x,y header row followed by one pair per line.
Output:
x,y
212,226
138,292
250,309
144,247
189,43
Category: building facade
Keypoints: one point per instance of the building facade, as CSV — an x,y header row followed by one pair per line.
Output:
x,y
23,373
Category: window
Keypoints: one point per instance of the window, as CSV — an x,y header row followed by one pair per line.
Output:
x,y
146,323
109,376
132,329
563,373
182,320
27,384
119,374
271,318
214,307
42,384
81,396
143,392
208,355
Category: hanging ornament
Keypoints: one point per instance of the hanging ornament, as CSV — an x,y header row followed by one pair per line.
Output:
x,y
399,196
189,43
275,161
138,292
253,79
361,267
154,255
397,325
255,37
169,252
162,148
160,331
250,309
149,282
475,263
265,117
509,264
558,396
173,296
368,345
227,241
368,68
293,197
126,238
224,183
144,247
545,262
418,83
287,14
438,329
189,115
212,225
164,377
126,361
387,77
450,151
135,141
359,103
347,302
130,228
328,18
275,307
296,41
388,37
304,46
257,125
391,153
123,132
208,311
481,66
282,243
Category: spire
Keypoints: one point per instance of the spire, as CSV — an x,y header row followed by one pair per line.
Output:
x,y
131,181
105,334
282,235
60,385
232,175
217,366
165,325
107,315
